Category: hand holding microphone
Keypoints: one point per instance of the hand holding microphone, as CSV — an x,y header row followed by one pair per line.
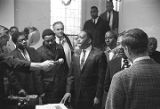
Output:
x,y
59,61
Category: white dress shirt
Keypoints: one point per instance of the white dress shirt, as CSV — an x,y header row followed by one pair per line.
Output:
x,y
66,49
95,20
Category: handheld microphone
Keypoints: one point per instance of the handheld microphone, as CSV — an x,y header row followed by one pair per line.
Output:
x,y
59,61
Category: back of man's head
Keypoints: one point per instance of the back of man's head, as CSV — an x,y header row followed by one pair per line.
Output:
x,y
136,40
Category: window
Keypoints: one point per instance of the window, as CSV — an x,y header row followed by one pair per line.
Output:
x,y
116,4
70,15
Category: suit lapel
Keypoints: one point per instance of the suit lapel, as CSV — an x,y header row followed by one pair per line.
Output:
x,y
19,55
88,59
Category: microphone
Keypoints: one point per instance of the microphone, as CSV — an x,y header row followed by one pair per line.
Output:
x,y
59,61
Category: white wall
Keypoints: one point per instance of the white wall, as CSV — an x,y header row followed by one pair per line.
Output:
x,y
32,13
7,13
86,7
144,14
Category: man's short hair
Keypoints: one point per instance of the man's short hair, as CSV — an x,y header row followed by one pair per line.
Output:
x,y
89,35
113,33
136,40
16,35
47,32
58,22
94,7
12,27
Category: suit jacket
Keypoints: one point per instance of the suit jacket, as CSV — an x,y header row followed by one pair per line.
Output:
x,y
136,87
115,19
55,79
88,82
28,80
97,31
114,66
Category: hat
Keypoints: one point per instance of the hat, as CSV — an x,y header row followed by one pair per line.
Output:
x,y
47,32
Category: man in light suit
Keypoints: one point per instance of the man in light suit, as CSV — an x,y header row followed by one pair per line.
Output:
x,y
138,86
61,38
111,16
87,79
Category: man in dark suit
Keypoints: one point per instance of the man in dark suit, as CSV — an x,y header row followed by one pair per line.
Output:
x,y
152,46
28,82
87,75
97,27
111,16
138,86
118,63
54,79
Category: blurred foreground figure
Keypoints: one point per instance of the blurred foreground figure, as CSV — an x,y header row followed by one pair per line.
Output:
x,y
8,64
136,87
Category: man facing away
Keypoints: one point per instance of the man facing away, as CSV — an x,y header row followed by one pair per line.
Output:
x,y
138,86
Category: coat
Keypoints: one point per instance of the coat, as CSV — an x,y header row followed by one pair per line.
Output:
x,y
55,79
86,84
136,87
30,81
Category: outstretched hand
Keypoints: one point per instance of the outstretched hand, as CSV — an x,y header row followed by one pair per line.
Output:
x,y
66,97
46,65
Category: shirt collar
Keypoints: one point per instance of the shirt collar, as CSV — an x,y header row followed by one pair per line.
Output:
x,y
88,48
141,58
58,40
96,19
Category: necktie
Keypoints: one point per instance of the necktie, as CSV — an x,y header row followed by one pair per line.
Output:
x,y
125,63
94,21
83,58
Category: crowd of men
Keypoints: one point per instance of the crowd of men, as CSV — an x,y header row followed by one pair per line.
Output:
x,y
105,70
